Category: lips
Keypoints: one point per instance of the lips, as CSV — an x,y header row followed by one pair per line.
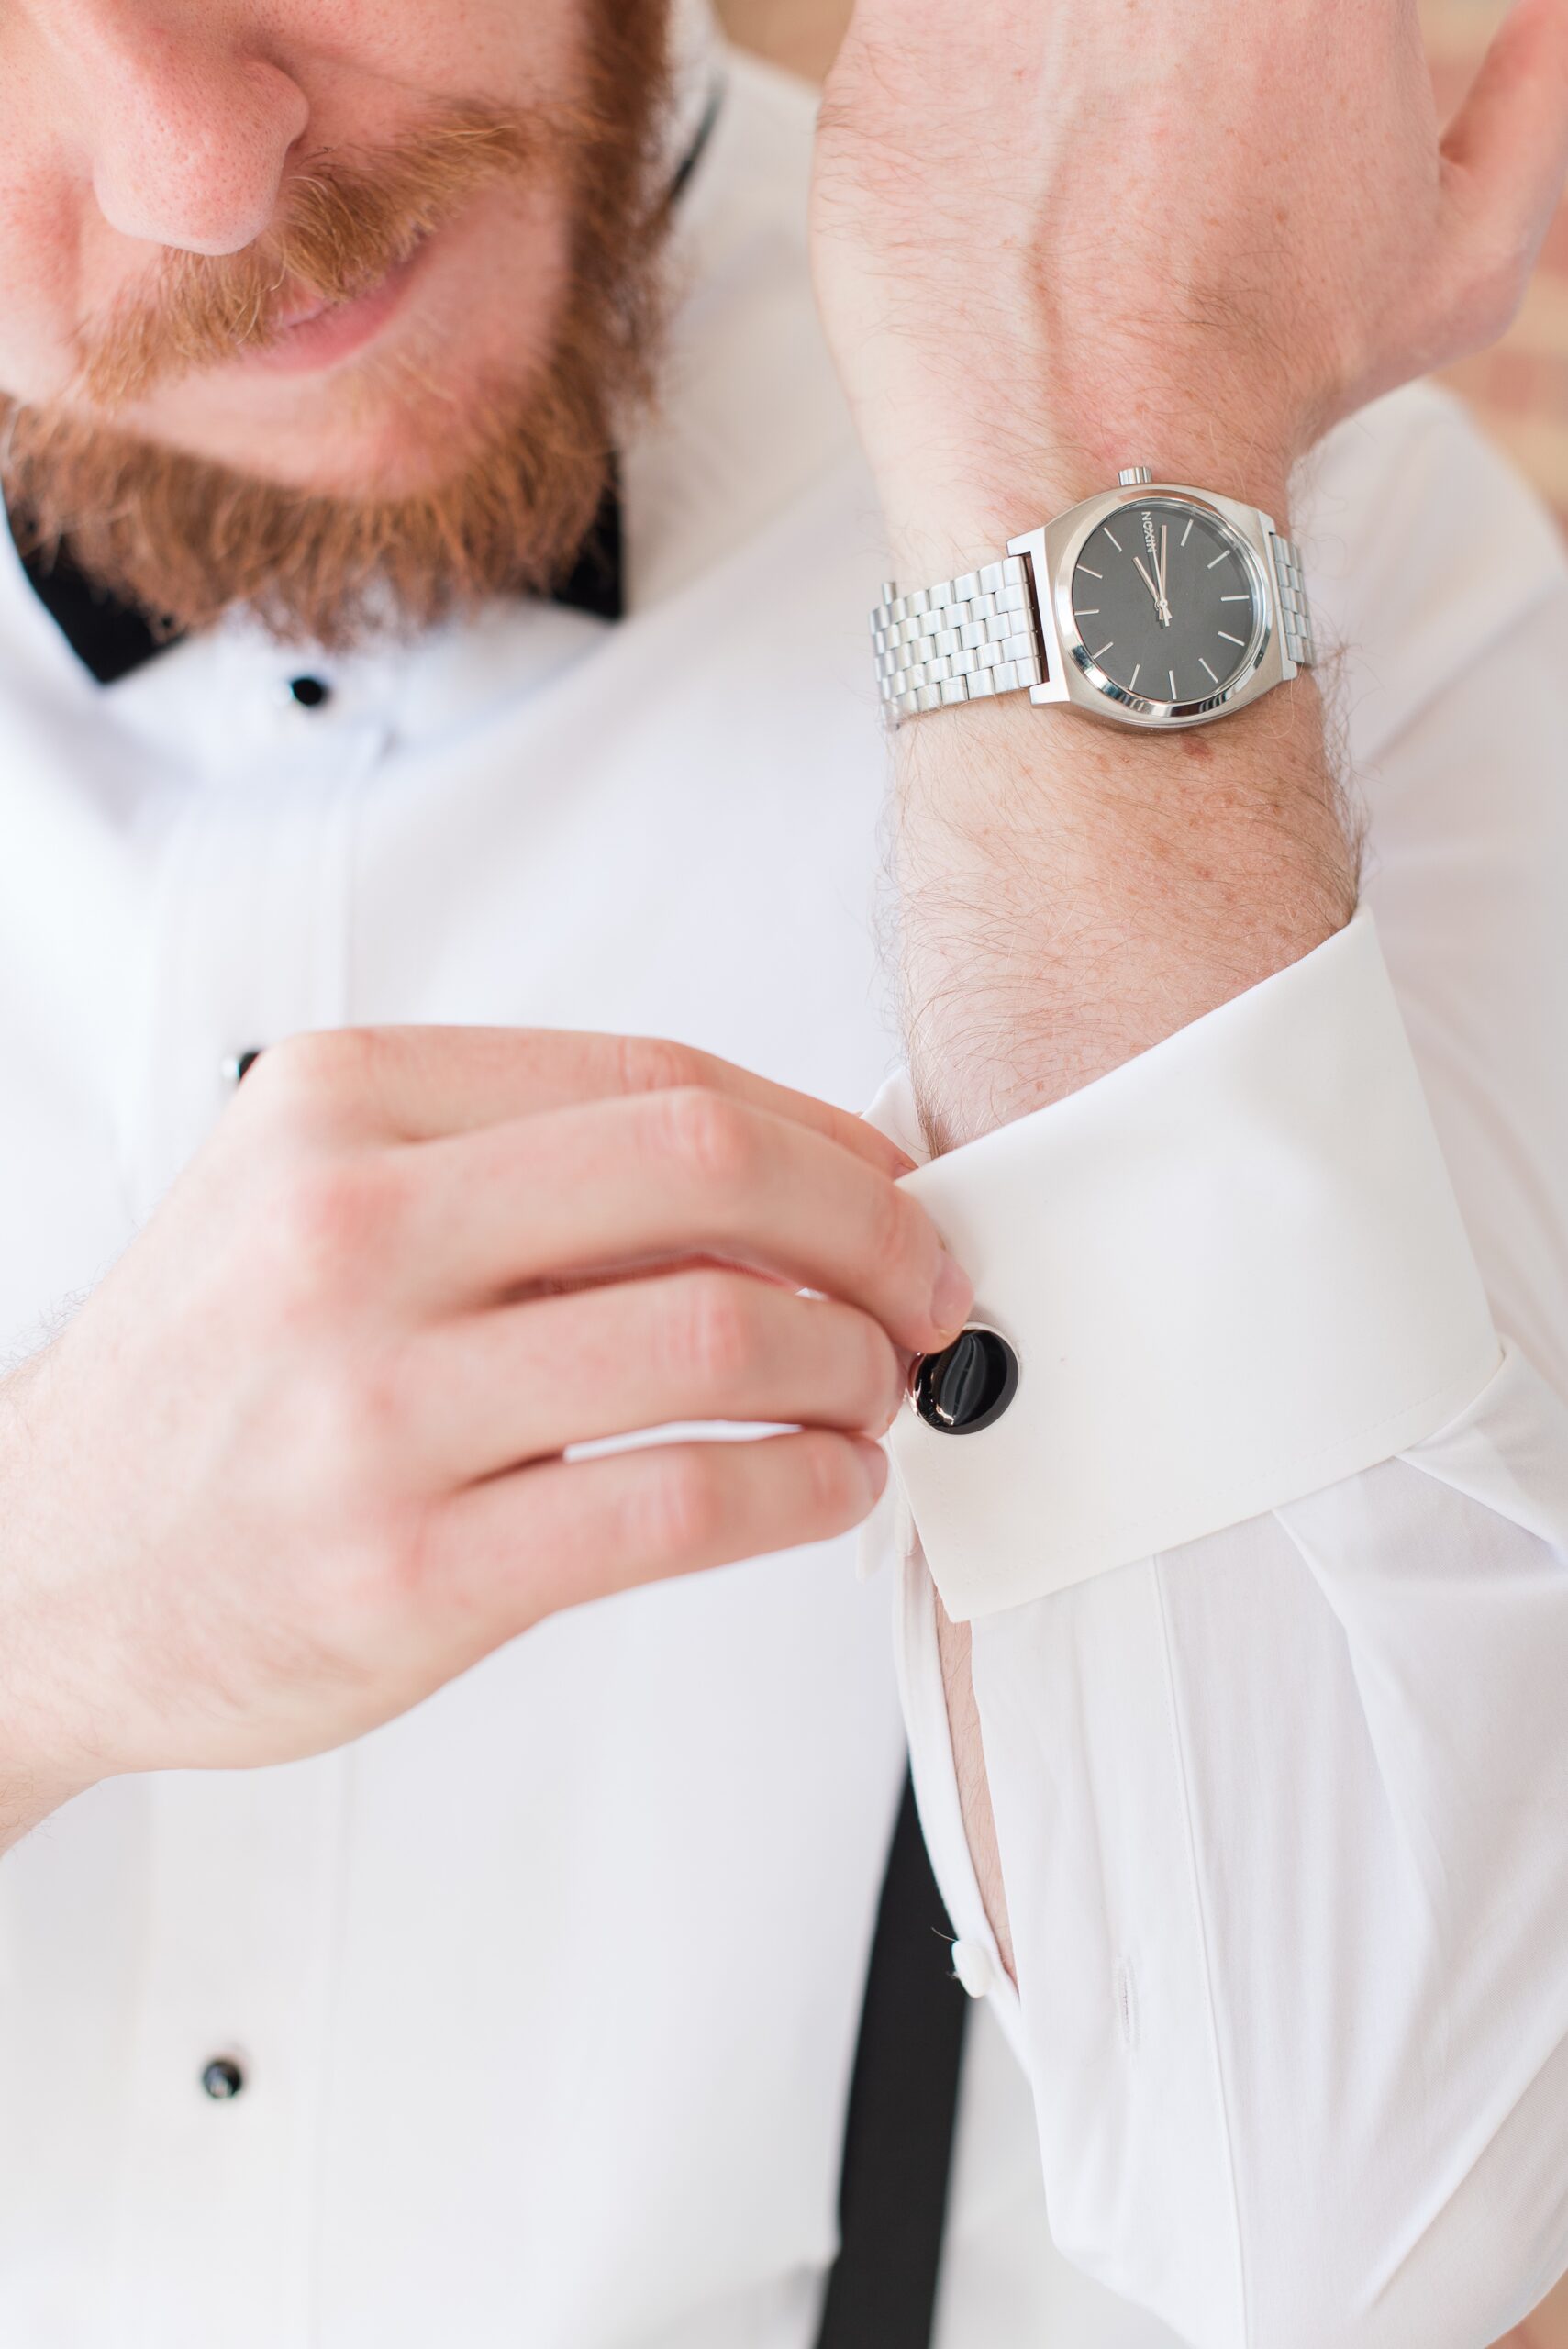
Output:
x,y
306,314
316,333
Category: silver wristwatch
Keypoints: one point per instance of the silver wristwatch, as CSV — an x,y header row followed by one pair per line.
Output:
x,y
1150,605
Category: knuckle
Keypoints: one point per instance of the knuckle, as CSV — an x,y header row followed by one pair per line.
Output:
x,y
835,1490
306,1079
679,1507
368,1592
330,1222
881,1372
393,1569
1498,293
899,1238
710,1138
1483,296
716,1334
653,1064
359,1421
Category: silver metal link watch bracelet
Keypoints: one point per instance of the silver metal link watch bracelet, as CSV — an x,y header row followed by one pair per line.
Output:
x,y
1018,625
1295,613
962,641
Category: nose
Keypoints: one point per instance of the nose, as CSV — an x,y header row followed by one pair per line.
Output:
x,y
190,131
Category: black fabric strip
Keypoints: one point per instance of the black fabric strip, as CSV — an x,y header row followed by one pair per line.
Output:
x,y
698,147
596,582
898,2138
111,639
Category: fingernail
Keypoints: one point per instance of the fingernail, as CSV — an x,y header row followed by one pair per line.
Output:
x,y
952,1297
873,1460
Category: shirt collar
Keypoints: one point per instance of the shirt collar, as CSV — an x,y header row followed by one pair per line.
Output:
x,y
112,638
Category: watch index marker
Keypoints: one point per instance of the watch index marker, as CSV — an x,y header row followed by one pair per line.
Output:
x,y
996,630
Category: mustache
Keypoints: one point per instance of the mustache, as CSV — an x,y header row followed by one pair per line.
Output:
x,y
347,220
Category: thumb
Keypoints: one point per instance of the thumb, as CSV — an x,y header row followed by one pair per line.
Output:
x,y
1504,155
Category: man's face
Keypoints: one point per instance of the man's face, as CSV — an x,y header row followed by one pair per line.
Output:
x,y
315,261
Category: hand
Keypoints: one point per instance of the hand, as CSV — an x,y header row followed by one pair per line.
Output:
x,y
1049,240
299,1460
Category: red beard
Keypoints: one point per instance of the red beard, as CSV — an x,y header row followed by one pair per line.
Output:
x,y
189,541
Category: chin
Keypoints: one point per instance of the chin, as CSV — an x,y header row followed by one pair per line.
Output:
x,y
400,458
377,442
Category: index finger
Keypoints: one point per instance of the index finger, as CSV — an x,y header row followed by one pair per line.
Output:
x,y
412,1084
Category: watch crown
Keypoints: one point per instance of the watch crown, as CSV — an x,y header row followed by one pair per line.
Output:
x,y
1133,476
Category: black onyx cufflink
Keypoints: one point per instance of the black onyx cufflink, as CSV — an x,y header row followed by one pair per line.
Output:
x,y
968,1386
222,2079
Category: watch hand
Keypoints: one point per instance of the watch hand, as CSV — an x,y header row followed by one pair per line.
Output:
x,y
1164,590
1160,606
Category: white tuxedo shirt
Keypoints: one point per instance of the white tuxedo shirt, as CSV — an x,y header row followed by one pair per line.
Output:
x,y
546,1994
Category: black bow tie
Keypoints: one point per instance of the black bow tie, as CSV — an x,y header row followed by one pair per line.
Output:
x,y
111,638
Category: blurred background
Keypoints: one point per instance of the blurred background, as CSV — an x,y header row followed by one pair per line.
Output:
x,y
1519,389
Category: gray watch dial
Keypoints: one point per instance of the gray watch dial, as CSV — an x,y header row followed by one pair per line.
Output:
x,y
1163,599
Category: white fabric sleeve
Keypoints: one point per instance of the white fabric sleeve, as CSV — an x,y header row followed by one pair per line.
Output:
x,y
1232,1271
1282,1818
1279,1760
1282,1809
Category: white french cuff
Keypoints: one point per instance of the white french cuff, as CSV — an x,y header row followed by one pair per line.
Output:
x,y
1233,1272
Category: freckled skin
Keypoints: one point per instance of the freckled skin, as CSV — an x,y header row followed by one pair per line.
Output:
x,y
125,133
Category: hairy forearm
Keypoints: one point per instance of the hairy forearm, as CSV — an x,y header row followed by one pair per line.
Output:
x,y
1072,893
23,1806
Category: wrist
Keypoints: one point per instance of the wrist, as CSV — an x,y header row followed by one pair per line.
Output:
x,y
26,1801
42,1767
1071,895
946,519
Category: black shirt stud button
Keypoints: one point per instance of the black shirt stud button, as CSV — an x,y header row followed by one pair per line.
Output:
x,y
968,1386
310,692
223,2079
